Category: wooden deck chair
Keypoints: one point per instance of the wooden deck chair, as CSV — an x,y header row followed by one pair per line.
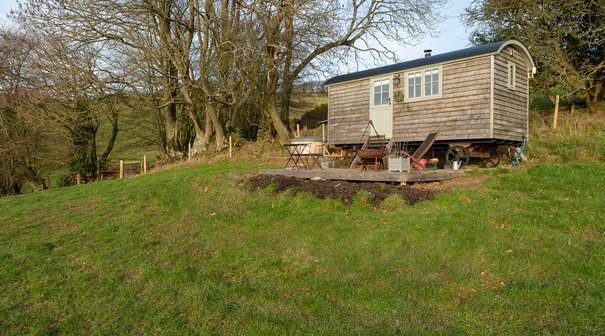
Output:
x,y
372,152
422,149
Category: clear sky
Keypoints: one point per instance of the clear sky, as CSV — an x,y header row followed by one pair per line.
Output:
x,y
451,33
5,7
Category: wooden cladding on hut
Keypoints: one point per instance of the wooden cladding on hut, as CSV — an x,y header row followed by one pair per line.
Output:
x,y
478,93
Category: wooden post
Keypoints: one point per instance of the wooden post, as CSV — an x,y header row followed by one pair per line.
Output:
x,y
323,132
230,147
145,164
298,130
78,178
573,107
189,151
121,169
556,116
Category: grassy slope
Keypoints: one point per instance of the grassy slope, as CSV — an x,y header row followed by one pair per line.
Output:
x,y
578,137
187,251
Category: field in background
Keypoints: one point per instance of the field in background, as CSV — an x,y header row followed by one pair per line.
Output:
x,y
302,103
137,137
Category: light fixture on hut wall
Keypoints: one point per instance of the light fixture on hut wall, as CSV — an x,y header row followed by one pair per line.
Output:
x,y
396,80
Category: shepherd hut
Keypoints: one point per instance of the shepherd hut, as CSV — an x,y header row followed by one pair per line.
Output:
x,y
478,94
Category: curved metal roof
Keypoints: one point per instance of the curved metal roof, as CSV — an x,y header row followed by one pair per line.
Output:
x,y
485,49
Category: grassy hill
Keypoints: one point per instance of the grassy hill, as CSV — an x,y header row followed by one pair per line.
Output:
x,y
189,251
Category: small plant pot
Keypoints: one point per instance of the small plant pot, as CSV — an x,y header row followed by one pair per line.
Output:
x,y
327,164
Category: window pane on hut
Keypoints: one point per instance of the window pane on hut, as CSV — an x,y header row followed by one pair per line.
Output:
x,y
385,92
411,85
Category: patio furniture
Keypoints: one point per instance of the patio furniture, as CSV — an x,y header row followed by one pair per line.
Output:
x,y
302,157
372,152
422,150
296,151
371,157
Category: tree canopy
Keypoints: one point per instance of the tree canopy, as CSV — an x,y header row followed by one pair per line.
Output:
x,y
566,39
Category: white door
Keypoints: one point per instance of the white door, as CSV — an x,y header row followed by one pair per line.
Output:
x,y
381,107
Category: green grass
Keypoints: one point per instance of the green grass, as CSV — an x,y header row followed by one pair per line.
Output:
x,y
188,251
579,137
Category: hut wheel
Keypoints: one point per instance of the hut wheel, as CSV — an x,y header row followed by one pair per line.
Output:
x,y
493,160
457,153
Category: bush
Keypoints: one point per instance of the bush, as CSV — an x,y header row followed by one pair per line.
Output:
x,y
65,181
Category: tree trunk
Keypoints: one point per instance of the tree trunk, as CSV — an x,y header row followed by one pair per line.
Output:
x,y
286,100
200,143
270,110
169,113
592,97
217,126
83,133
287,80
269,106
110,144
91,157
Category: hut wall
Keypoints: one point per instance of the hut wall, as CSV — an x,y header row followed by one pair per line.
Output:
x,y
510,105
462,112
348,111
468,108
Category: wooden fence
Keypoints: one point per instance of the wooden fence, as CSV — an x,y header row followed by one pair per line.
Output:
x,y
126,168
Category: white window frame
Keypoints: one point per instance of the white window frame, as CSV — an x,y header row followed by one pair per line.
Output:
x,y
373,92
423,95
511,78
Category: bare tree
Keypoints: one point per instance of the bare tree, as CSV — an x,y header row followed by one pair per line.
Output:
x,y
297,33
128,32
22,142
213,60
74,92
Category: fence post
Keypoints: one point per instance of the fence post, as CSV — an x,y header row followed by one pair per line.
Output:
x,y
145,164
121,169
230,147
556,116
298,130
323,132
78,178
